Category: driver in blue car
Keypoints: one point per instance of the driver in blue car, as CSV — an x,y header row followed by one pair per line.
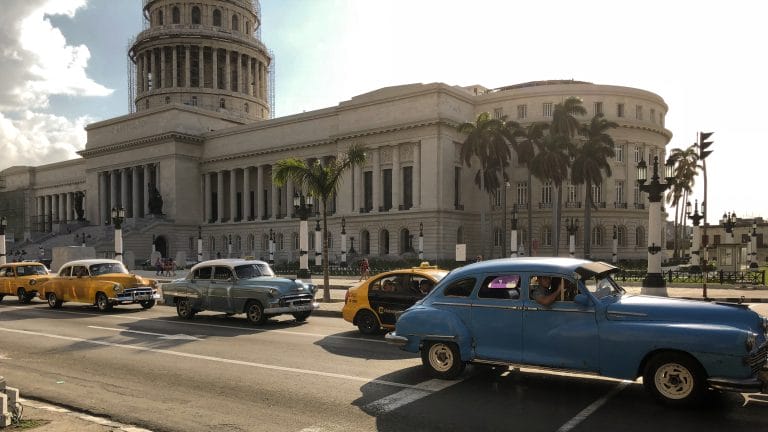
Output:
x,y
544,293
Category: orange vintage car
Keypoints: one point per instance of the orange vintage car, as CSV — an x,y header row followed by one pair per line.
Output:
x,y
101,282
22,279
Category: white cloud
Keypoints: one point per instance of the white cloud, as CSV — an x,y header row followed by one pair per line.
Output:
x,y
36,139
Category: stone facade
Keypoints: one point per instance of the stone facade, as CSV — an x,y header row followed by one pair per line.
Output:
x,y
212,167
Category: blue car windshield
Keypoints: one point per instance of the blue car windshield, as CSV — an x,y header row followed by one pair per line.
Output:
x,y
249,271
603,287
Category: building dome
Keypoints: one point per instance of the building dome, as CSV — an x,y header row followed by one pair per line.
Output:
x,y
204,53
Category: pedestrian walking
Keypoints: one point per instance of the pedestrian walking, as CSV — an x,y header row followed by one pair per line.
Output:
x,y
158,267
365,269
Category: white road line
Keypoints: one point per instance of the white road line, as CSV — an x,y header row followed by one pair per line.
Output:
x,y
166,320
214,359
586,412
404,397
160,335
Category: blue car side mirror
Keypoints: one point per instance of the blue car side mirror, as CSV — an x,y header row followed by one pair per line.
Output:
x,y
581,299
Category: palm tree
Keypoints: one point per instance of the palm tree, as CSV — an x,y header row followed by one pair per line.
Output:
x,y
486,140
322,182
686,170
525,148
551,164
589,163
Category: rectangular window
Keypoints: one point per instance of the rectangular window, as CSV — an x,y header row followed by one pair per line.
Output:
x,y
639,112
597,194
522,193
386,180
571,193
652,115
522,111
638,154
546,109
546,193
367,191
407,187
618,151
620,110
598,108
636,193
497,198
456,187
619,192
498,113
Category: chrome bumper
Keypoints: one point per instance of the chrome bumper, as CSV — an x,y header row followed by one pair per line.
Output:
x,y
394,339
135,296
758,384
292,309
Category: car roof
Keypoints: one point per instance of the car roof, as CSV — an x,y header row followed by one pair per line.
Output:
x,y
432,271
87,262
228,262
585,268
23,263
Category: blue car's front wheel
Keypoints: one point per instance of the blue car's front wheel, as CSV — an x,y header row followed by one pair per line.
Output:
x,y
442,359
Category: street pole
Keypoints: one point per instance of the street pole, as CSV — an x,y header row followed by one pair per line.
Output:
x,y
695,218
513,233
3,226
229,246
421,241
615,258
303,208
343,243
318,245
118,216
572,226
271,247
753,244
654,282
199,243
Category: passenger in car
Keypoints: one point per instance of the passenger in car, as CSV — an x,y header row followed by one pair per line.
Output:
x,y
545,293
425,286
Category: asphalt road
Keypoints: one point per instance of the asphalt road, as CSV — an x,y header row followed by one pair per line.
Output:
x,y
153,370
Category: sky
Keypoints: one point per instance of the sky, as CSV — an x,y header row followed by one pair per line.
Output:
x,y
64,65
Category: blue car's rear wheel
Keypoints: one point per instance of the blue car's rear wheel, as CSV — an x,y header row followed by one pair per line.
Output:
x,y
442,359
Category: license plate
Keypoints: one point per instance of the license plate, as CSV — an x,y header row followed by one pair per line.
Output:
x,y
303,307
141,297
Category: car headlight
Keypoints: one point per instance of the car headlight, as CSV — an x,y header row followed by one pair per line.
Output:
x,y
273,292
117,288
749,343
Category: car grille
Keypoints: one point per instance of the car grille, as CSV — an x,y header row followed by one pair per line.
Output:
x,y
759,359
296,300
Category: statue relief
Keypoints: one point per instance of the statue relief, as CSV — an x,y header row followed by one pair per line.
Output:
x,y
155,200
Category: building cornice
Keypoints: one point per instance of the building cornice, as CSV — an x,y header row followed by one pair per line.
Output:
x,y
142,142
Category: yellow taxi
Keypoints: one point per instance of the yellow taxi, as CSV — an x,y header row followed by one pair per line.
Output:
x,y
377,302
22,279
101,282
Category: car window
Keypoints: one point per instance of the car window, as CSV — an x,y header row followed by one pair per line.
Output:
x,y
421,285
79,271
222,273
249,271
32,270
3,272
390,284
460,288
506,286
567,287
202,273
603,287
65,271
106,268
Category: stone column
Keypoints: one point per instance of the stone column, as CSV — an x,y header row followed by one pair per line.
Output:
x,y
274,204
102,197
139,75
220,196
146,186
357,185
124,188
232,195
227,71
39,204
260,210
63,215
247,193
135,193
416,175
375,153
187,66
247,76
201,67
256,78
175,67
113,203
161,81
289,198
396,177
207,198
215,67
47,212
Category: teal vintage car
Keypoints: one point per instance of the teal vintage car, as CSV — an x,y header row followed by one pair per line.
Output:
x,y
236,286
569,314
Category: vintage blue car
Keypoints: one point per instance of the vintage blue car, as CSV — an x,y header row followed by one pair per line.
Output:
x,y
235,286
569,314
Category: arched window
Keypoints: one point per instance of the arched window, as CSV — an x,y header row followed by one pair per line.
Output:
x,y
265,243
222,103
251,244
175,15
384,242
460,235
365,242
235,23
280,241
216,18
212,246
238,246
621,236
167,100
160,17
640,237
247,27
597,236
546,236
195,15
406,241
245,107
498,237
295,241
330,240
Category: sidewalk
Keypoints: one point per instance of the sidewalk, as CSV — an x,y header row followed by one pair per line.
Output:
x,y
43,417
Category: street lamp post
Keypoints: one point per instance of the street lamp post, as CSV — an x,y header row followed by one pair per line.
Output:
x,y
343,242
303,208
81,237
318,244
654,282
421,241
729,222
572,227
513,233
615,257
3,226
118,216
199,243
753,245
271,247
229,246
695,218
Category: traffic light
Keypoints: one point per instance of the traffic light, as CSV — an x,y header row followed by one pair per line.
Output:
x,y
703,144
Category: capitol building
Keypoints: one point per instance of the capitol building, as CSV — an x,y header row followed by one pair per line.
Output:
x,y
195,158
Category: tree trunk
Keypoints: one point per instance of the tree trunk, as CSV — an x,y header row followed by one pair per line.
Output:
x,y
530,213
326,276
588,220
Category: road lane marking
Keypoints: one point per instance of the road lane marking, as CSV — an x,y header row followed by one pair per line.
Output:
x,y
172,321
586,412
404,397
215,359
159,335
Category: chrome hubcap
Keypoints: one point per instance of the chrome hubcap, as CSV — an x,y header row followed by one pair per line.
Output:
x,y
674,381
440,357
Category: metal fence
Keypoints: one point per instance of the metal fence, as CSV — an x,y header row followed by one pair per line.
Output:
x,y
753,277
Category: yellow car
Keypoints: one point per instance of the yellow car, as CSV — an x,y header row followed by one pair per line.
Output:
x,y
102,282
378,301
22,279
